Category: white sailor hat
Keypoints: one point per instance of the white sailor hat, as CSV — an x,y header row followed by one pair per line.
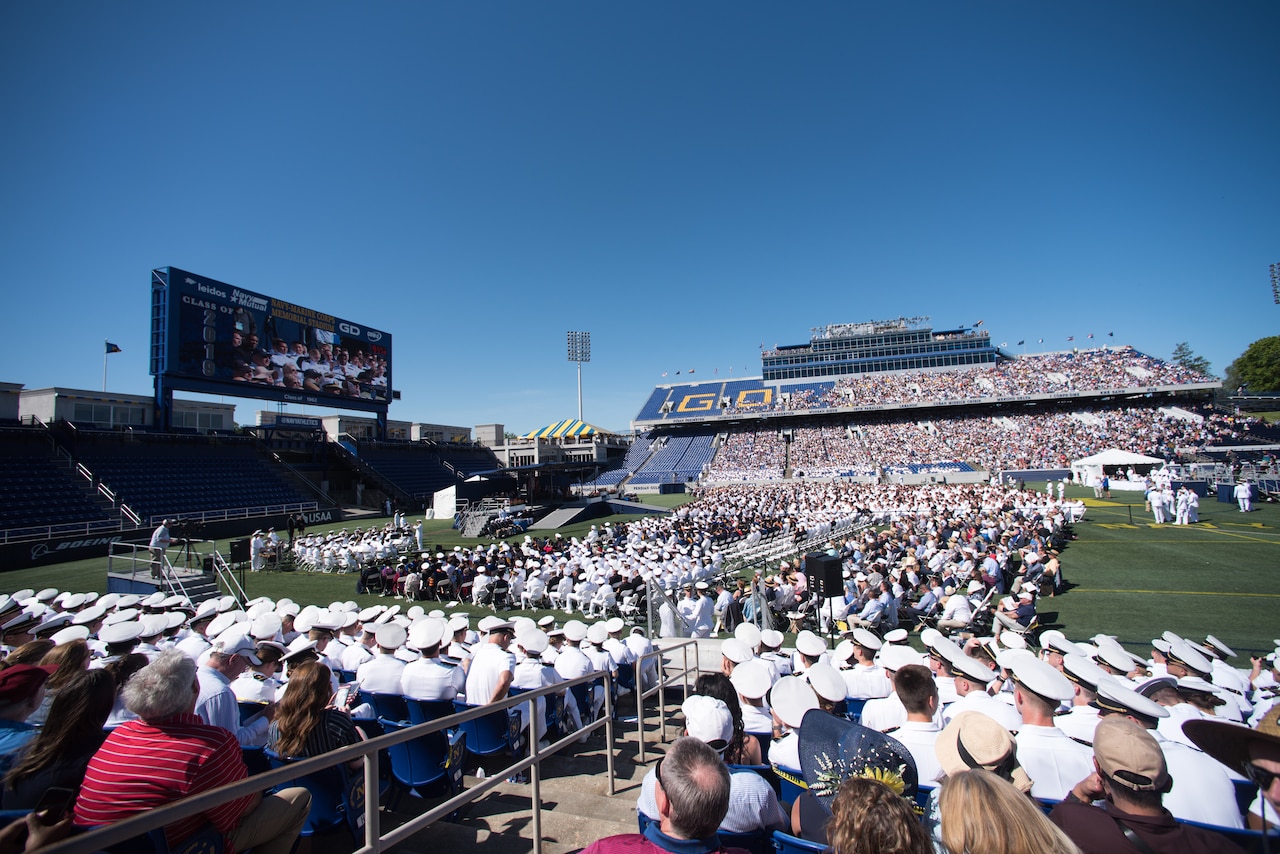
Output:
x,y
968,667
735,650
827,682
71,601
121,632
748,634
300,646
1115,657
790,698
391,635
771,638
895,636
867,639
1040,678
1195,683
1182,652
534,641
807,643
1120,699
51,623
234,641
895,656
69,634
1083,671
752,679
427,633
89,615
1013,640
153,625
575,630
265,626
221,623
122,616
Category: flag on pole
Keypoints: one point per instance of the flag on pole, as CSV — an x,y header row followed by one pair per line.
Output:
x,y
1041,341
1023,341
691,370
1071,337
1111,335
1091,336
664,373
979,323
112,348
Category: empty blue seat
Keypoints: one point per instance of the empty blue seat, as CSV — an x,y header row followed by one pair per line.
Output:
x,y
433,760
497,732
337,797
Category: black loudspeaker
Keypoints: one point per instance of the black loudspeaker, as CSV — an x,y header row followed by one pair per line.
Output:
x,y
824,574
239,551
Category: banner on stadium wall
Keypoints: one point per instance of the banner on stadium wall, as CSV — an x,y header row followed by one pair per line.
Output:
x,y
212,337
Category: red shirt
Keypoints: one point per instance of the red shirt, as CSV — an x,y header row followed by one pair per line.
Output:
x,y
143,765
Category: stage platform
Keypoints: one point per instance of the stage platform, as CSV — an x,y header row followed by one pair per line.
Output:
x,y
188,573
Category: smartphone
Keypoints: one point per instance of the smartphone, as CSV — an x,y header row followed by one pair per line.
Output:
x,y
54,802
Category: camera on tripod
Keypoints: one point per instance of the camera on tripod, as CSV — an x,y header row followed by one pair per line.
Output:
x,y
186,529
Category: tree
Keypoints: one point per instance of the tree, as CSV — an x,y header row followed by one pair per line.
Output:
x,y
1183,356
1258,368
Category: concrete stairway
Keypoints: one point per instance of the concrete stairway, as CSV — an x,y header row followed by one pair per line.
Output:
x,y
576,807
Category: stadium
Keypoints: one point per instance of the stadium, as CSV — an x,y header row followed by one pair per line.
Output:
x,y
879,453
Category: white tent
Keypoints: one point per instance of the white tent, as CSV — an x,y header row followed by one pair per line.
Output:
x,y
1112,461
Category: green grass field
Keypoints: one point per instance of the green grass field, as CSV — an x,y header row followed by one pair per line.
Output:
x,y
1136,579
1130,577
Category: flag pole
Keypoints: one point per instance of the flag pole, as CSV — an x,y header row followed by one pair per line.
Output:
x,y
104,366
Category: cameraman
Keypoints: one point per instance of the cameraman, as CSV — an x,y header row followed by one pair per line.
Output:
x,y
160,540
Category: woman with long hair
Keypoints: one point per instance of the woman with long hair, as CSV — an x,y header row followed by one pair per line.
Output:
x,y
868,817
31,652
982,812
71,735
122,670
305,723
743,749
70,659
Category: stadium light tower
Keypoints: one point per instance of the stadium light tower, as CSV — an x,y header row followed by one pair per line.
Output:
x,y
579,351
1275,283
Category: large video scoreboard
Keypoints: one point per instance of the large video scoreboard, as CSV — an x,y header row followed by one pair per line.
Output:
x,y
212,337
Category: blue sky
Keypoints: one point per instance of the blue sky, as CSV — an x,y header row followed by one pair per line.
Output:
x,y
684,180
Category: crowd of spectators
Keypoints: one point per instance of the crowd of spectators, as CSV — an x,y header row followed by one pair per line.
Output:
x,y
1050,373
1042,440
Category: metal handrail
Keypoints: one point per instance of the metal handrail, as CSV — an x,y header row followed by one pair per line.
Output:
x,y
660,689
222,571
100,838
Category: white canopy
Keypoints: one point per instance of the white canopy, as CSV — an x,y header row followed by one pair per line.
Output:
x,y
1089,469
1116,457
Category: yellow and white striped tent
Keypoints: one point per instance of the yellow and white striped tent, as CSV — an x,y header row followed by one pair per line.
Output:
x,y
566,428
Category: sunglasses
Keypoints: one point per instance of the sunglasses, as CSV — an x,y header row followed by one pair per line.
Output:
x,y
657,770
1260,777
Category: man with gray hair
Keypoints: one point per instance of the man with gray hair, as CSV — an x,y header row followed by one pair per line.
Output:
x,y
692,795
168,754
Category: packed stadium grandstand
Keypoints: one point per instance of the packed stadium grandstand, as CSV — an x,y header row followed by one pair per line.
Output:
x,y
906,483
